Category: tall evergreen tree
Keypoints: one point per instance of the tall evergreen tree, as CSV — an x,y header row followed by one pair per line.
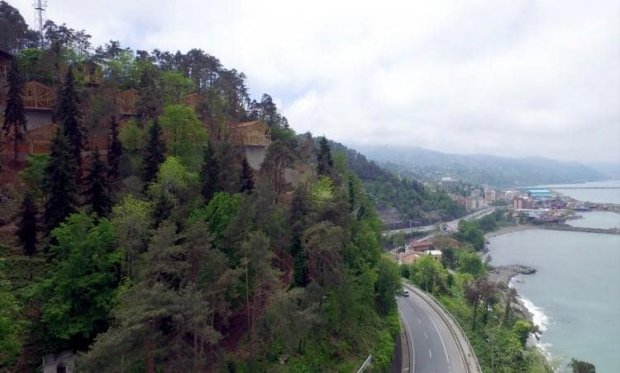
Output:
x,y
60,183
115,151
97,188
69,117
150,101
14,118
324,158
246,179
155,153
210,173
27,226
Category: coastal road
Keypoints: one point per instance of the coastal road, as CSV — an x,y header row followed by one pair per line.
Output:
x,y
432,345
451,225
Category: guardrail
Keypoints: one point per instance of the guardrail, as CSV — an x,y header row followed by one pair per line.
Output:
x,y
469,355
366,364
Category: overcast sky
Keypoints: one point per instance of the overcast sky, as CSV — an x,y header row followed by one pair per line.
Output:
x,y
504,77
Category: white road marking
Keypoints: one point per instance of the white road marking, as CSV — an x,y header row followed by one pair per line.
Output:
x,y
441,339
425,335
410,342
419,322
429,353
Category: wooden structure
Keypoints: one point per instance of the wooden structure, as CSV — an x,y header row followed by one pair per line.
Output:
x,y
126,101
39,140
38,96
5,67
255,133
193,100
88,73
5,64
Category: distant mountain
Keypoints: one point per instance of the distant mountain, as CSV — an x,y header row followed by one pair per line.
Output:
x,y
480,169
609,169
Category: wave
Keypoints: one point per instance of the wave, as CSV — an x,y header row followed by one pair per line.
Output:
x,y
539,317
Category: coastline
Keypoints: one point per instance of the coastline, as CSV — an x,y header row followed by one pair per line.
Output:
x,y
506,275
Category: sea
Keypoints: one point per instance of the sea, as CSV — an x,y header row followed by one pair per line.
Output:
x,y
575,294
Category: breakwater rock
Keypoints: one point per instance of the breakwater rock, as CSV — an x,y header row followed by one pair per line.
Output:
x,y
504,273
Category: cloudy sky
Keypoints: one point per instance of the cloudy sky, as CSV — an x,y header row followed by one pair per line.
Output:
x,y
505,77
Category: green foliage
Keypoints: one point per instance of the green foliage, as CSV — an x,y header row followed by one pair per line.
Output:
x,y
97,187
429,274
131,221
470,232
81,290
175,86
579,366
132,136
10,323
69,117
184,133
14,118
218,214
154,153
34,173
59,183
470,262
322,191
27,226
324,158
387,286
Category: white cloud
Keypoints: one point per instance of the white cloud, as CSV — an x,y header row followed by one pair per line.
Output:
x,y
509,77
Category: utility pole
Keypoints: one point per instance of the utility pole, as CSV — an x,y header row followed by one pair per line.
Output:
x,y
40,6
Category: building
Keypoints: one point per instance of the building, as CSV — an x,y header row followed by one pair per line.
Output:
x,y
489,196
254,137
448,183
475,203
420,245
126,102
540,194
436,254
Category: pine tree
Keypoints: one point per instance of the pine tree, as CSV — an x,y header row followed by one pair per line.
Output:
x,y
69,116
246,180
60,183
27,226
97,196
150,101
14,118
210,173
115,151
325,162
154,154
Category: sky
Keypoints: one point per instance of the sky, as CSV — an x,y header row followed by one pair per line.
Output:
x,y
504,77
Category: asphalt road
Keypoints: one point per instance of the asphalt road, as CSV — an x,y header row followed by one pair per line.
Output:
x,y
451,225
430,342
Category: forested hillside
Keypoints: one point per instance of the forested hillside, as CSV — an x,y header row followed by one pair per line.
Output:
x,y
410,197
481,169
142,238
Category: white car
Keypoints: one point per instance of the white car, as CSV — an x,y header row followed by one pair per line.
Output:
x,y
405,293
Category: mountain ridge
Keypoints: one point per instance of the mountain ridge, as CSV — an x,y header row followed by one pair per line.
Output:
x,y
500,171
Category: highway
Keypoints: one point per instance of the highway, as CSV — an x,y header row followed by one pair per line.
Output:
x,y
432,346
451,225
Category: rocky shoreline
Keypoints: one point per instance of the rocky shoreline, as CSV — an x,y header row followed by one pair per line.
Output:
x,y
505,273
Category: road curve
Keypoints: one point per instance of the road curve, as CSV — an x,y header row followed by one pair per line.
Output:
x,y
434,346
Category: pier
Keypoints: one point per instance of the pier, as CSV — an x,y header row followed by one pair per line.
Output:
x,y
570,228
584,187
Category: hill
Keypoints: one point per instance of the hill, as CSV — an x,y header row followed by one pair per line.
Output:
x,y
479,168
402,200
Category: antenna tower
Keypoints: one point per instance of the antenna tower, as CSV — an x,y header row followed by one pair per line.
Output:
x,y
39,7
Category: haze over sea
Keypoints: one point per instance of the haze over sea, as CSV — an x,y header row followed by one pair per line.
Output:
x,y
575,294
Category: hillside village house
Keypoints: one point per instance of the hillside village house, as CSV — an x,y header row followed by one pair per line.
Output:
x,y
254,137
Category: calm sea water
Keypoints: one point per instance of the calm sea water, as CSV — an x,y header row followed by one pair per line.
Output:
x,y
575,295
